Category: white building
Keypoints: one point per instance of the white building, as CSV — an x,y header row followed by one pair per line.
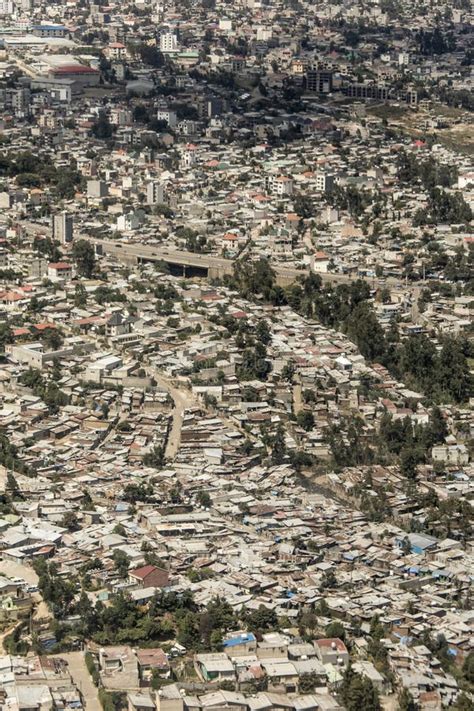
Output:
x,y
280,185
97,188
63,227
169,43
167,115
155,193
324,182
129,222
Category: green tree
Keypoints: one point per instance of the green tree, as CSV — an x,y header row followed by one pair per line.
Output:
x,y
6,335
358,692
278,446
335,630
80,296
155,458
305,419
102,128
204,499
262,619
437,426
308,682
70,521
52,338
263,333
468,668
463,703
188,631
121,562
408,463
84,256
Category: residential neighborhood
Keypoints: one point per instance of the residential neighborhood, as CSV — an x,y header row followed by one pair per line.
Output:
x,y
236,355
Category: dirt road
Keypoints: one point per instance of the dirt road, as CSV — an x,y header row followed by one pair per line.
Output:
x,y
17,570
82,679
182,400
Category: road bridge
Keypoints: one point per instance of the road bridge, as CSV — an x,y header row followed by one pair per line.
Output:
x,y
196,264
189,264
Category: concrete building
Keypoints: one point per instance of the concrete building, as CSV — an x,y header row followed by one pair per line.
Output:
x,y
97,188
155,193
169,43
324,182
63,228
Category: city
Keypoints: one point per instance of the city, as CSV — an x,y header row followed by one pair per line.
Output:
x,y
236,355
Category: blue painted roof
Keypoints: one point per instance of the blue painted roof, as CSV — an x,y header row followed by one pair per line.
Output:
x,y
240,639
49,27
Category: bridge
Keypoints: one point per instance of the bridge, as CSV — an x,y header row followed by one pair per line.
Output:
x,y
189,264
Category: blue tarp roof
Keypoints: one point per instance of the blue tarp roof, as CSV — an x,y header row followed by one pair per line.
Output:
x,y
239,639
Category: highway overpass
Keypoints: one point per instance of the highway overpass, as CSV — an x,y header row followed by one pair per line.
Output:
x,y
191,264
194,264
187,263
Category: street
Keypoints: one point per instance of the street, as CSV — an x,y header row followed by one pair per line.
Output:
x,y
82,679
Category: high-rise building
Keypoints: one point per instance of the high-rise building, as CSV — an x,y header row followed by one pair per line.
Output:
x,y
324,182
155,193
63,228
168,43
319,81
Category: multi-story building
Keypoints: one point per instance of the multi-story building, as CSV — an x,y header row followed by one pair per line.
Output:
x,y
155,193
63,228
169,43
319,81
324,182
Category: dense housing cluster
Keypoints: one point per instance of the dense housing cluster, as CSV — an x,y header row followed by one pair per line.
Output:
x,y
236,358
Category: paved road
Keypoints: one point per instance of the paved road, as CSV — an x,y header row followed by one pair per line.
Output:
x,y
82,679
137,250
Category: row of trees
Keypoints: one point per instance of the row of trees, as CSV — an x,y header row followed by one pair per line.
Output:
x,y
443,208
31,171
429,172
444,374
48,391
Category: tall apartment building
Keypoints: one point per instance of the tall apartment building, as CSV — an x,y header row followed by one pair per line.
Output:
x,y
169,43
63,228
319,81
155,193
324,182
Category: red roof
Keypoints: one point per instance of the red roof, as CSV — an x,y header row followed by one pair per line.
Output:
x,y
330,641
44,326
59,265
143,572
11,296
239,314
75,69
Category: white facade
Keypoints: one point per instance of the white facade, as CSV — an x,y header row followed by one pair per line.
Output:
x,y
155,193
167,115
280,185
168,43
324,182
